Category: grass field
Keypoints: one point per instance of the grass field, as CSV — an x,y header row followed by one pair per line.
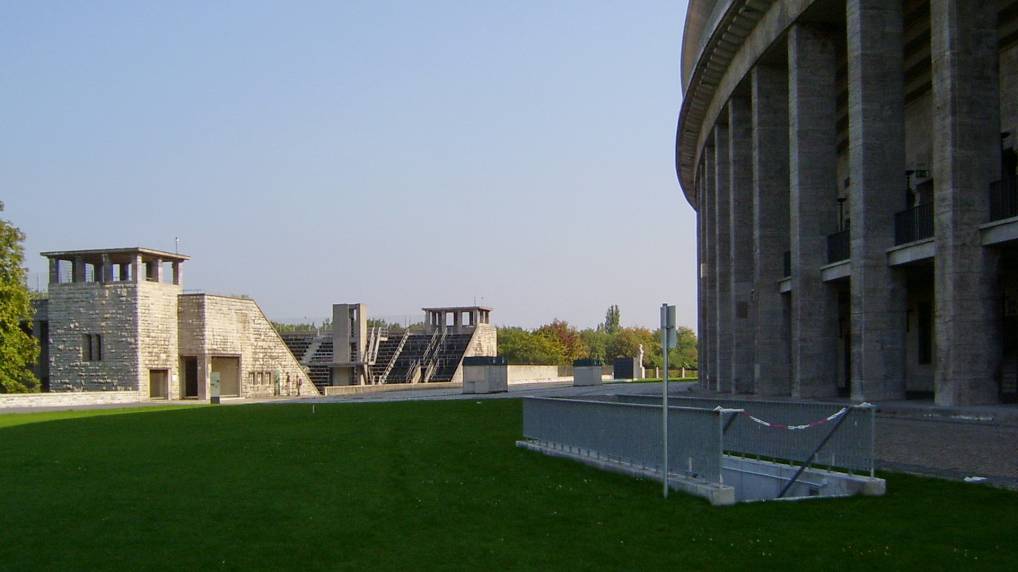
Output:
x,y
424,485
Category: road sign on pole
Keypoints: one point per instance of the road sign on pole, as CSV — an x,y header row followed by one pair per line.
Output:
x,y
667,341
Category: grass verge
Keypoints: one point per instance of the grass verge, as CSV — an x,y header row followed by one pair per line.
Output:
x,y
424,485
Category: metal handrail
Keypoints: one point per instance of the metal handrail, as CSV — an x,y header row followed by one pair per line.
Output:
x,y
839,246
913,224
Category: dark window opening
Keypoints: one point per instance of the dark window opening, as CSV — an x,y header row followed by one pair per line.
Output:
x,y
925,333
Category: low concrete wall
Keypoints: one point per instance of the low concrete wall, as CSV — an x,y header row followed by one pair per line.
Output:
x,y
587,375
67,398
485,378
538,372
359,389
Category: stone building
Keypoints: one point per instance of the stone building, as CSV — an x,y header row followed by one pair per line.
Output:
x,y
853,168
117,320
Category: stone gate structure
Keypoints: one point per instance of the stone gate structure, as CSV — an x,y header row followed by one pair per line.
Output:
x,y
117,320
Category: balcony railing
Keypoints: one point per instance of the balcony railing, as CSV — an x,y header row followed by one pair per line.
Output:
x,y
1003,199
838,246
913,224
787,264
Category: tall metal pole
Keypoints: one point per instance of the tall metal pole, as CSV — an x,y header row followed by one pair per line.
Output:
x,y
664,399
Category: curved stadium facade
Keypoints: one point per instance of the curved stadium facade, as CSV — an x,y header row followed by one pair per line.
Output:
x,y
853,168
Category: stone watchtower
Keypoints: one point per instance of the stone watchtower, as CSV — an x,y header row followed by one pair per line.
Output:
x,y
113,320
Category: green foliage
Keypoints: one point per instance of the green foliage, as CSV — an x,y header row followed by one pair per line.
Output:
x,y
303,327
567,337
522,347
558,343
18,350
612,319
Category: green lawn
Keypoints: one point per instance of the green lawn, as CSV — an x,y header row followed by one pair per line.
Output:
x,y
424,485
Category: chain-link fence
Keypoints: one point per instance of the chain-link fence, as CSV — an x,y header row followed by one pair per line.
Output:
x,y
627,429
831,435
629,433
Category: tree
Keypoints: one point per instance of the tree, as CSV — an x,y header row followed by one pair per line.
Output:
x,y
596,343
566,335
18,350
612,319
519,346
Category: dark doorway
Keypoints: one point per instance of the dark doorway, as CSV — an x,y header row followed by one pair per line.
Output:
x,y
190,369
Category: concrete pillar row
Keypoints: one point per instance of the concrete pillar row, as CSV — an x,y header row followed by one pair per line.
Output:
x,y
106,272
966,159
723,282
770,226
78,269
876,125
813,198
711,279
701,308
137,269
740,252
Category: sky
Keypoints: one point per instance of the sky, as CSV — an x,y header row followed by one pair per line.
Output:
x,y
519,155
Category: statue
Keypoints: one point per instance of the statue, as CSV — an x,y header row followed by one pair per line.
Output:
x,y
639,372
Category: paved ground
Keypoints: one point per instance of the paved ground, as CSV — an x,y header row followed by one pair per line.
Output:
x,y
952,449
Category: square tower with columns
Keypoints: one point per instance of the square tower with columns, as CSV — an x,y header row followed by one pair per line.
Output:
x,y
113,320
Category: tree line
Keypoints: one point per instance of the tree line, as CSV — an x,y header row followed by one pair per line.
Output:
x,y
559,343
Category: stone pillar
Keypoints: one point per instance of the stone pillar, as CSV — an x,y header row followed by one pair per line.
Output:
x,y
710,282
78,269
966,159
813,198
701,285
157,274
137,269
770,227
722,238
876,128
740,156
54,271
178,275
106,272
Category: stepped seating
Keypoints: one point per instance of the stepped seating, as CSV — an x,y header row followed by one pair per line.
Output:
x,y
323,355
298,343
321,376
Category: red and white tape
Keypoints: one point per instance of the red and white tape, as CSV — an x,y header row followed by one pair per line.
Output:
x,y
809,425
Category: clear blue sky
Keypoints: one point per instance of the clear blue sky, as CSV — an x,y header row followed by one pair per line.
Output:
x,y
400,154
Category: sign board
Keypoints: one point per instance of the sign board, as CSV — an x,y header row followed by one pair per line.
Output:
x,y
214,387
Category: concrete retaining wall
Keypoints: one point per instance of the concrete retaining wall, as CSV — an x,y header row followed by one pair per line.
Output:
x,y
67,398
358,389
538,372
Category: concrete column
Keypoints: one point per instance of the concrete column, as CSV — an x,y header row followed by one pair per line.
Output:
x,y
770,227
740,156
78,269
722,238
54,271
966,159
710,282
178,274
106,272
701,289
813,198
876,128
157,275
137,269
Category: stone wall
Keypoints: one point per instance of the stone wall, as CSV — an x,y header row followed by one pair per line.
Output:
x,y
110,310
157,332
484,342
226,326
67,399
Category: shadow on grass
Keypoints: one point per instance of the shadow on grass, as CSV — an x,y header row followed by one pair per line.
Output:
x,y
436,484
